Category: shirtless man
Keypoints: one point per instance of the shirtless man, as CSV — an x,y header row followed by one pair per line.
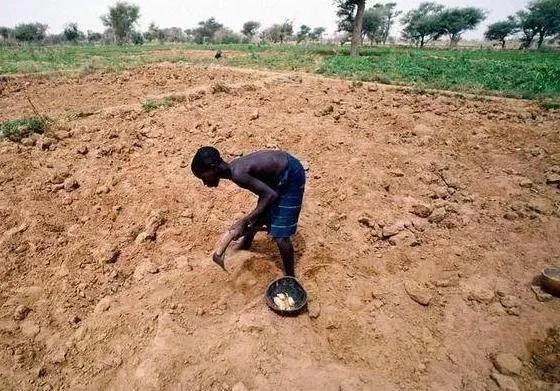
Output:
x,y
276,177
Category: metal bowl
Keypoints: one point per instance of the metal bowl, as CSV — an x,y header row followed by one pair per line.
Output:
x,y
550,279
291,287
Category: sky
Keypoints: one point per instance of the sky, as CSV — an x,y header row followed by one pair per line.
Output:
x,y
232,13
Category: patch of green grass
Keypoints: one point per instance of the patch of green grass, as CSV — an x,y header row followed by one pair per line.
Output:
x,y
514,74
550,105
16,129
150,104
519,74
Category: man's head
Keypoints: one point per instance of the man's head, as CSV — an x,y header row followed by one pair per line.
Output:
x,y
206,165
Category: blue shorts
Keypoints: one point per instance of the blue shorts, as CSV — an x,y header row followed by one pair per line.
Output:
x,y
282,216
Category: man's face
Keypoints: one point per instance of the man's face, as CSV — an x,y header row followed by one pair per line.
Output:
x,y
210,178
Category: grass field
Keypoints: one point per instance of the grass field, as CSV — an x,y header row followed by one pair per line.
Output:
x,y
521,74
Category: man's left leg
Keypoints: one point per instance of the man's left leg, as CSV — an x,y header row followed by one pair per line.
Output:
x,y
287,253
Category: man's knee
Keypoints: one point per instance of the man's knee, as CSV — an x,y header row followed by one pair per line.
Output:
x,y
283,241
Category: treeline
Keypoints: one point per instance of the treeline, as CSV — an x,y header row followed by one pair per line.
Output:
x,y
121,27
431,21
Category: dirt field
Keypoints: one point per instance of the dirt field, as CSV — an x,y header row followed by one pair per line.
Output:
x,y
425,220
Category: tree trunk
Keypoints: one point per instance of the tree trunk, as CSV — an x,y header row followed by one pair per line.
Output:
x,y
357,32
503,44
422,42
541,40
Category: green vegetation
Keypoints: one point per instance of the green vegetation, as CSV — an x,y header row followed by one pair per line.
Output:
x,y
150,104
16,129
59,58
523,74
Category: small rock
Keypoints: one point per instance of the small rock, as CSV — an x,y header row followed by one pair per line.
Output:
x,y
372,88
514,311
41,371
314,309
324,111
391,230
396,173
481,295
154,221
508,364
144,268
82,150
437,216
525,183
29,329
421,210
510,216
255,115
505,383
442,283
377,303
104,189
21,312
44,143
418,293
542,296
28,142
103,305
71,184
404,238
509,301
109,254
239,387
366,221
553,179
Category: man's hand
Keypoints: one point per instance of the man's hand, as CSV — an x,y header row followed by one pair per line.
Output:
x,y
239,227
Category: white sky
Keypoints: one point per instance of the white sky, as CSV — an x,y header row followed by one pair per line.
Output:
x,y
232,13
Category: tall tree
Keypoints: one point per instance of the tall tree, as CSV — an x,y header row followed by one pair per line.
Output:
x,y
250,29
455,21
303,33
350,15
499,31
5,32
421,25
71,32
372,26
317,33
206,29
154,33
121,20
541,19
29,32
279,32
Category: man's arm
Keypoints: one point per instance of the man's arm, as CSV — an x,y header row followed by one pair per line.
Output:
x,y
265,193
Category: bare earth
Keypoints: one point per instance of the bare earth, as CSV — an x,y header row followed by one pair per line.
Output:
x,y
106,280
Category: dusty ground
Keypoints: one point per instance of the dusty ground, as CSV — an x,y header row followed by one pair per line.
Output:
x,y
106,278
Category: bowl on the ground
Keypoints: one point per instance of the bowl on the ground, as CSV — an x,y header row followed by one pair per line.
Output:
x,y
550,279
288,286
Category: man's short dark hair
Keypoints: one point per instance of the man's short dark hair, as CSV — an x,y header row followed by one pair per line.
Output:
x,y
205,158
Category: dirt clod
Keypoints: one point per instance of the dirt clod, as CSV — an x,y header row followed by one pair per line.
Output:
x,y
508,364
21,312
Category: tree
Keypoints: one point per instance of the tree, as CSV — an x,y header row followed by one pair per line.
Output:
x,y
455,21
541,19
278,32
121,20
227,36
206,29
71,32
372,25
317,33
28,32
250,29
422,25
93,36
499,31
303,33
5,32
350,20
154,33
388,14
